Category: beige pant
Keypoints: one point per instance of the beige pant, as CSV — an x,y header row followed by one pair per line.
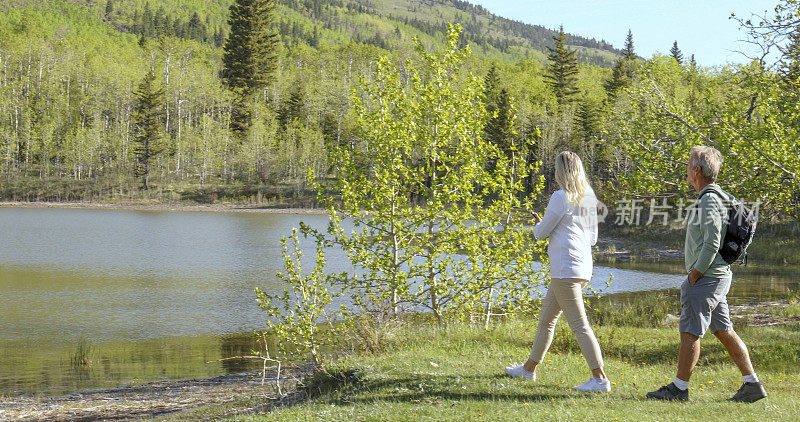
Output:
x,y
564,295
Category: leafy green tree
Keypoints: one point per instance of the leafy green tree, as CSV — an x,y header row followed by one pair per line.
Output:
x,y
147,113
415,188
562,69
297,316
675,52
789,69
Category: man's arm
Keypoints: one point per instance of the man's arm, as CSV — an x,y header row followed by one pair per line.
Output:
x,y
711,222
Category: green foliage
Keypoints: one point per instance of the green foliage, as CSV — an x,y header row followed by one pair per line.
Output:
x,y
742,113
68,73
417,190
297,317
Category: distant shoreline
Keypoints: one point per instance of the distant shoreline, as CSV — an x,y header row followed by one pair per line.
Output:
x,y
244,208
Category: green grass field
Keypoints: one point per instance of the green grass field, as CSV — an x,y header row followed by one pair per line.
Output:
x,y
428,373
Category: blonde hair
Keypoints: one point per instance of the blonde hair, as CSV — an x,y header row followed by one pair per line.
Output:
x,y
571,176
708,159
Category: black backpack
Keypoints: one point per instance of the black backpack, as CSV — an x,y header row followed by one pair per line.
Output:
x,y
741,227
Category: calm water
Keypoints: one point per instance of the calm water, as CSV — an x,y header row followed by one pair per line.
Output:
x,y
157,294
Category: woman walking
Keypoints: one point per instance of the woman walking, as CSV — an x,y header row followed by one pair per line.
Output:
x,y
570,222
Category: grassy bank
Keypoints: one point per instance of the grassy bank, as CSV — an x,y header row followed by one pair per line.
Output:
x,y
429,373
775,243
184,193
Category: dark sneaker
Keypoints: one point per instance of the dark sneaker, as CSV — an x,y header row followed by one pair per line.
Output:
x,y
669,392
749,392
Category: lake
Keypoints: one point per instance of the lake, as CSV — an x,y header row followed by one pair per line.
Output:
x,y
157,294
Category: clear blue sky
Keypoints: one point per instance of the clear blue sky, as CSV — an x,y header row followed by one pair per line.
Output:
x,y
701,27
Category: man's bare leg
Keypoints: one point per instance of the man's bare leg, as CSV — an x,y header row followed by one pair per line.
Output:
x,y
737,350
688,355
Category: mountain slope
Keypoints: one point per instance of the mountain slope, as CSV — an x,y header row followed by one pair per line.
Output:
x,y
388,24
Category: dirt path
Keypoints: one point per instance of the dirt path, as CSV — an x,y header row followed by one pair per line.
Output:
x,y
761,314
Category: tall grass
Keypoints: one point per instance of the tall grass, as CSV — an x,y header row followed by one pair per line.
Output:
x,y
81,357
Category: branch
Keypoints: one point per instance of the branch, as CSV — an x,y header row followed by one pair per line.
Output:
x,y
760,152
639,196
675,116
263,371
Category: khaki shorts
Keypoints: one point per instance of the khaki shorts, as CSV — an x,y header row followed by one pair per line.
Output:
x,y
704,306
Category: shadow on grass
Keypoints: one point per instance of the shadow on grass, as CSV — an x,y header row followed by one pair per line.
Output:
x,y
352,387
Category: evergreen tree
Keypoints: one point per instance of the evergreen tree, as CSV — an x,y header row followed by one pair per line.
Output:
x,y
109,9
194,27
628,53
562,69
158,22
264,41
675,52
499,128
146,21
219,38
619,78
167,27
623,71
587,131
136,27
249,56
491,88
147,112
293,109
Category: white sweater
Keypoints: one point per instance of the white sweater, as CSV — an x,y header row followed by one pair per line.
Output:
x,y
572,231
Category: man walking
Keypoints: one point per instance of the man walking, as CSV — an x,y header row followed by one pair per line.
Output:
x,y
704,304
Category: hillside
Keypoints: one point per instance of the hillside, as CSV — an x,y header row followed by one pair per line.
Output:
x,y
69,71
387,24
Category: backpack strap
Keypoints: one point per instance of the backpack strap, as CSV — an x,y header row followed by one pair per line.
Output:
x,y
726,202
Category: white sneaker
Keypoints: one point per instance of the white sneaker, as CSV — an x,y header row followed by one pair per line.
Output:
x,y
594,385
517,370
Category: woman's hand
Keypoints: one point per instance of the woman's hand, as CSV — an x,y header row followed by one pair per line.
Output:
x,y
537,218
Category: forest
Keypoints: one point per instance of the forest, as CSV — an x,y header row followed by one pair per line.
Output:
x,y
119,100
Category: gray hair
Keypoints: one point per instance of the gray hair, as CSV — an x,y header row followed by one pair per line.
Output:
x,y
709,160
